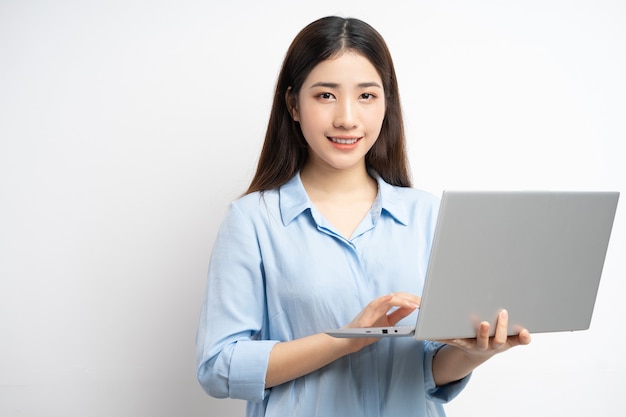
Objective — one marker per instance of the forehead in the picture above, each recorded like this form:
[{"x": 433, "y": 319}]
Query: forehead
[{"x": 345, "y": 69}]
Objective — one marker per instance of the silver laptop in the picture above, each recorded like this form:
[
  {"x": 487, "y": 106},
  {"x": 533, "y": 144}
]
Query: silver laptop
[{"x": 538, "y": 254}]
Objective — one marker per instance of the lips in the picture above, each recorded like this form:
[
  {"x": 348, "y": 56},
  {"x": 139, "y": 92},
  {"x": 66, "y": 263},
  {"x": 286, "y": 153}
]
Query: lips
[{"x": 344, "y": 141}]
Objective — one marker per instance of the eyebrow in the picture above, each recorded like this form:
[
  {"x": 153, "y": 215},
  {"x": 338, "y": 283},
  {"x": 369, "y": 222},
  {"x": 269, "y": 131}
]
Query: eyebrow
[{"x": 336, "y": 85}]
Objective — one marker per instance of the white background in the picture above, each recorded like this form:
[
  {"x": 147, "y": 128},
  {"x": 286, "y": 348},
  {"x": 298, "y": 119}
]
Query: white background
[{"x": 127, "y": 126}]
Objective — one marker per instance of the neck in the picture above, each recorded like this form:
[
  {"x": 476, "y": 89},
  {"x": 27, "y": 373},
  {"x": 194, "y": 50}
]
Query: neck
[{"x": 344, "y": 183}]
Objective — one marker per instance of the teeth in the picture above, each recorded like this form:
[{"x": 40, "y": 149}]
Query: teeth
[{"x": 344, "y": 141}]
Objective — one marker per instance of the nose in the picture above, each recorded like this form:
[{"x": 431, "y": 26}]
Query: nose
[{"x": 346, "y": 115}]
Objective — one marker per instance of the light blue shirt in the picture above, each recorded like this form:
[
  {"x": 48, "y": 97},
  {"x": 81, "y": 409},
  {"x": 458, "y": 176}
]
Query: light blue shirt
[{"x": 279, "y": 271}]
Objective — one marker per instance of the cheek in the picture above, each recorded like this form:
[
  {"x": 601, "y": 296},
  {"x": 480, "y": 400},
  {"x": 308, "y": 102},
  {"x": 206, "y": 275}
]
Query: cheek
[
  {"x": 309, "y": 131},
  {"x": 311, "y": 121},
  {"x": 376, "y": 121}
]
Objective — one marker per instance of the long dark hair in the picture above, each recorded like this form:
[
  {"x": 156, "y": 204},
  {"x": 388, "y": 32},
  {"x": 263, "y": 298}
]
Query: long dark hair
[{"x": 285, "y": 150}]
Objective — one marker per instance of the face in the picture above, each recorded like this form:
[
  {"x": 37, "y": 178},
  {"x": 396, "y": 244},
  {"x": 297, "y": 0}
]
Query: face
[{"x": 340, "y": 108}]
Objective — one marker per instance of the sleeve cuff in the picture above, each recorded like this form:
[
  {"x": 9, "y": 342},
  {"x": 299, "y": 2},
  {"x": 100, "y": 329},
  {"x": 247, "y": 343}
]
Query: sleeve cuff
[
  {"x": 446, "y": 392},
  {"x": 248, "y": 368}
]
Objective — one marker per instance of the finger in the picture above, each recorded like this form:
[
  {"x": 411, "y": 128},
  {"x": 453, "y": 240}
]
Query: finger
[
  {"x": 482, "y": 336},
  {"x": 406, "y": 304},
  {"x": 523, "y": 338},
  {"x": 380, "y": 305},
  {"x": 398, "y": 314},
  {"x": 405, "y": 299},
  {"x": 501, "y": 333}
]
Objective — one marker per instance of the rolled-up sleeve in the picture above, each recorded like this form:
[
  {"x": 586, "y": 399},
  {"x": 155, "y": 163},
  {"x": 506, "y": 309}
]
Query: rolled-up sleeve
[
  {"x": 238, "y": 371},
  {"x": 230, "y": 361},
  {"x": 444, "y": 393}
]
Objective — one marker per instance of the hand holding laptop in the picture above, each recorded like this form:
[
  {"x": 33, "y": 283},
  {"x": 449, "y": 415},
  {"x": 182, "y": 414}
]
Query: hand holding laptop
[
  {"x": 484, "y": 345},
  {"x": 462, "y": 356}
]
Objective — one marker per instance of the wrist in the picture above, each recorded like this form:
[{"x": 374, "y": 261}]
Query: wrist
[{"x": 348, "y": 345}]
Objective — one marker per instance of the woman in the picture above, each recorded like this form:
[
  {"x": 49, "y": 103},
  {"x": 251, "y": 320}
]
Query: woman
[{"x": 330, "y": 234}]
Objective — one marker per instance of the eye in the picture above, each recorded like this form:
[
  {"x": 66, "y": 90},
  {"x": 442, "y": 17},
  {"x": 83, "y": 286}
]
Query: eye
[
  {"x": 325, "y": 96},
  {"x": 367, "y": 96}
]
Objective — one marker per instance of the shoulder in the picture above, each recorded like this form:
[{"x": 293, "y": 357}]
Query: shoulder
[
  {"x": 282, "y": 204},
  {"x": 246, "y": 217},
  {"x": 253, "y": 204}
]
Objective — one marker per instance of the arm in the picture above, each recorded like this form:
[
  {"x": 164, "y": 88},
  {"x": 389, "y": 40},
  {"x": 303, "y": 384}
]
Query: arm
[
  {"x": 461, "y": 356},
  {"x": 292, "y": 359},
  {"x": 231, "y": 360}
]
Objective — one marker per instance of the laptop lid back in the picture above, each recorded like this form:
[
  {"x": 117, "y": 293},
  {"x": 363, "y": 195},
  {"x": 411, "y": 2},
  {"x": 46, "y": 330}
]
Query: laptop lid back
[{"x": 537, "y": 254}]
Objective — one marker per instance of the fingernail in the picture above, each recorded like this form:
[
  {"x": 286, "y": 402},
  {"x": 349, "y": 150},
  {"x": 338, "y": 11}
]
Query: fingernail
[{"x": 504, "y": 314}]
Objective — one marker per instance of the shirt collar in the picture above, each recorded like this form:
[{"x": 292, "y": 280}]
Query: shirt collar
[
  {"x": 392, "y": 201},
  {"x": 294, "y": 200}
]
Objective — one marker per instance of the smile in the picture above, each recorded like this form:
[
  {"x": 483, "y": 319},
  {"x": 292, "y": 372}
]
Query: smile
[{"x": 344, "y": 141}]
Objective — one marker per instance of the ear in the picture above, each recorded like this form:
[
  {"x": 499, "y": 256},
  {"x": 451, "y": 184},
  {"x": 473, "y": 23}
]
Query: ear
[{"x": 292, "y": 104}]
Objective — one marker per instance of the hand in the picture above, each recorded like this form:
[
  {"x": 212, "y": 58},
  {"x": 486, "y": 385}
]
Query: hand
[
  {"x": 382, "y": 312},
  {"x": 484, "y": 347}
]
